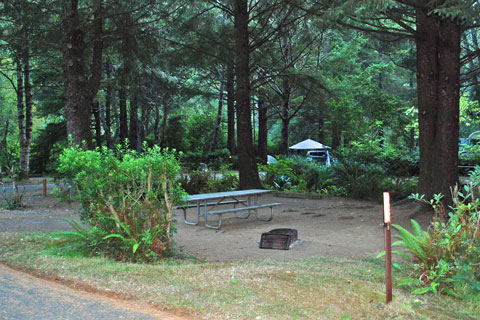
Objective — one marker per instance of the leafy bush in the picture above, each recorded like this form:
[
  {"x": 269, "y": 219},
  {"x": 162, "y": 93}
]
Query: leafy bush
[
  {"x": 279, "y": 175},
  {"x": 218, "y": 158},
  {"x": 200, "y": 181},
  {"x": 445, "y": 259},
  {"x": 362, "y": 172},
  {"x": 215, "y": 159},
  {"x": 127, "y": 199},
  {"x": 312, "y": 176},
  {"x": 396, "y": 162},
  {"x": 400, "y": 188},
  {"x": 469, "y": 156},
  {"x": 360, "y": 180},
  {"x": 227, "y": 180},
  {"x": 196, "y": 181}
]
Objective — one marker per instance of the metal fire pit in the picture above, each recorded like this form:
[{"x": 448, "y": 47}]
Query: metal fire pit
[{"x": 280, "y": 239}]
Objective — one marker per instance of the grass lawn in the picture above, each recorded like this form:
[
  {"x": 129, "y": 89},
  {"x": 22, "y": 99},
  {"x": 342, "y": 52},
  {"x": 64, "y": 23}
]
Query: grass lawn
[{"x": 314, "y": 288}]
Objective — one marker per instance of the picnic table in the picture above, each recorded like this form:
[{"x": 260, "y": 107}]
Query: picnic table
[{"x": 214, "y": 204}]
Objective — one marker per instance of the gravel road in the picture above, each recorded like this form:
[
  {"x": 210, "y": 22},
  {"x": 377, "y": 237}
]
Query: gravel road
[{"x": 24, "y": 297}]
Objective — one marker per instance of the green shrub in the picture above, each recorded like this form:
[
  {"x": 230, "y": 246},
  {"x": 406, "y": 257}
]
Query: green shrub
[
  {"x": 400, "y": 188},
  {"x": 396, "y": 162},
  {"x": 279, "y": 175},
  {"x": 126, "y": 198},
  {"x": 202, "y": 181},
  {"x": 360, "y": 173},
  {"x": 196, "y": 181},
  {"x": 313, "y": 176},
  {"x": 218, "y": 158},
  {"x": 192, "y": 159},
  {"x": 226, "y": 180},
  {"x": 360, "y": 180},
  {"x": 445, "y": 259}
]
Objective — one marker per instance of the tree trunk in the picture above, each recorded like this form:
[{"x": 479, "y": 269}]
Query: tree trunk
[
  {"x": 262, "y": 130},
  {"x": 321, "y": 133},
  {"x": 80, "y": 91},
  {"x": 438, "y": 83},
  {"x": 77, "y": 108},
  {"x": 107, "y": 124},
  {"x": 4, "y": 141},
  {"x": 122, "y": 105},
  {"x": 133, "y": 132},
  {"x": 247, "y": 165},
  {"x": 98, "y": 123},
  {"x": 25, "y": 165},
  {"x": 231, "y": 111},
  {"x": 165, "y": 101},
  {"x": 336, "y": 135},
  {"x": 218, "y": 122},
  {"x": 143, "y": 123},
  {"x": 156, "y": 124},
  {"x": 285, "y": 115},
  {"x": 476, "y": 48},
  {"x": 21, "y": 113}
]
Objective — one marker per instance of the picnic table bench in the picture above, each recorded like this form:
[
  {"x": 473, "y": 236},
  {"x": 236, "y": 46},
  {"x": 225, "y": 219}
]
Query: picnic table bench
[{"x": 217, "y": 201}]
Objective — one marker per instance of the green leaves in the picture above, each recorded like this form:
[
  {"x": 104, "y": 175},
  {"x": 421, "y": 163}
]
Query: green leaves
[
  {"x": 129, "y": 197},
  {"x": 446, "y": 259}
]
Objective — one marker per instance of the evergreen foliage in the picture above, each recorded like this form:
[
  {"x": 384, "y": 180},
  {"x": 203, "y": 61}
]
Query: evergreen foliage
[{"x": 127, "y": 200}]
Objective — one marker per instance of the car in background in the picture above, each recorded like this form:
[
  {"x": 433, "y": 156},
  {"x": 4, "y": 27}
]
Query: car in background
[
  {"x": 271, "y": 159},
  {"x": 321, "y": 156}
]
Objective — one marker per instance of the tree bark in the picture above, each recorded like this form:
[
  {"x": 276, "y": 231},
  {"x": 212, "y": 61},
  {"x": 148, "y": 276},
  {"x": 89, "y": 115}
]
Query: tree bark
[
  {"x": 165, "y": 101},
  {"x": 25, "y": 164},
  {"x": 247, "y": 165},
  {"x": 133, "y": 132},
  {"x": 98, "y": 123},
  {"x": 218, "y": 122},
  {"x": 143, "y": 123},
  {"x": 321, "y": 132},
  {"x": 262, "y": 130},
  {"x": 4, "y": 141},
  {"x": 476, "y": 95},
  {"x": 156, "y": 125},
  {"x": 80, "y": 91},
  {"x": 336, "y": 135},
  {"x": 231, "y": 111},
  {"x": 21, "y": 112},
  {"x": 438, "y": 83},
  {"x": 285, "y": 115},
  {"x": 122, "y": 106},
  {"x": 107, "y": 123}
]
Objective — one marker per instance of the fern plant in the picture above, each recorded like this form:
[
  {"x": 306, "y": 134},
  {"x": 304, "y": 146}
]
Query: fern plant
[
  {"x": 446, "y": 258},
  {"x": 127, "y": 200}
]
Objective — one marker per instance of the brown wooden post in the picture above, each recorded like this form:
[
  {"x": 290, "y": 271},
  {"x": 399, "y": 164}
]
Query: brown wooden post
[{"x": 44, "y": 187}]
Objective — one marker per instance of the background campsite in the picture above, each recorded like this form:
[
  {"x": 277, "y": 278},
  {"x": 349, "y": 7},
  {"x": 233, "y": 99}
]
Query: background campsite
[{"x": 121, "y": 120}]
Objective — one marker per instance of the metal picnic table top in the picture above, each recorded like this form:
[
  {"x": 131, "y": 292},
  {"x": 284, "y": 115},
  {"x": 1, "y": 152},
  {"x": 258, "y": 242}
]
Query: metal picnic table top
[{"x": 228, "y": 194}]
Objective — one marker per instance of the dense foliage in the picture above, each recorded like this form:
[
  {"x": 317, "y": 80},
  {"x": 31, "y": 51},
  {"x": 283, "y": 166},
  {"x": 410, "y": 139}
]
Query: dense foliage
[
  {"x": 446, "y": 257},
  {"x": 127, "y": 200},
  {"x": 363, "y": 170}
]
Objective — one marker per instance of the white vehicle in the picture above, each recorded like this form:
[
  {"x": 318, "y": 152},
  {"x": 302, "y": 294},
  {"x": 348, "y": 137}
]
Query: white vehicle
[{"x": 322, "y": 156}]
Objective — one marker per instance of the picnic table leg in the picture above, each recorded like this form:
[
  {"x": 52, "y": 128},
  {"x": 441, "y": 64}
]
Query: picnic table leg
[
  {"x": 211, "y": 225},
  {"x": 192, "y": 223},
  {"x": 248, "y": 212},
  {"x": 263, "y": 219},
  {"x": 206, "y": 219}
]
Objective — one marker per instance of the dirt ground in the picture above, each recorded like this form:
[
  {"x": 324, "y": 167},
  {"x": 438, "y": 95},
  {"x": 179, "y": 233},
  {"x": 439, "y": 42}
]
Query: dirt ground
[{"x": 327, "y": 227}]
